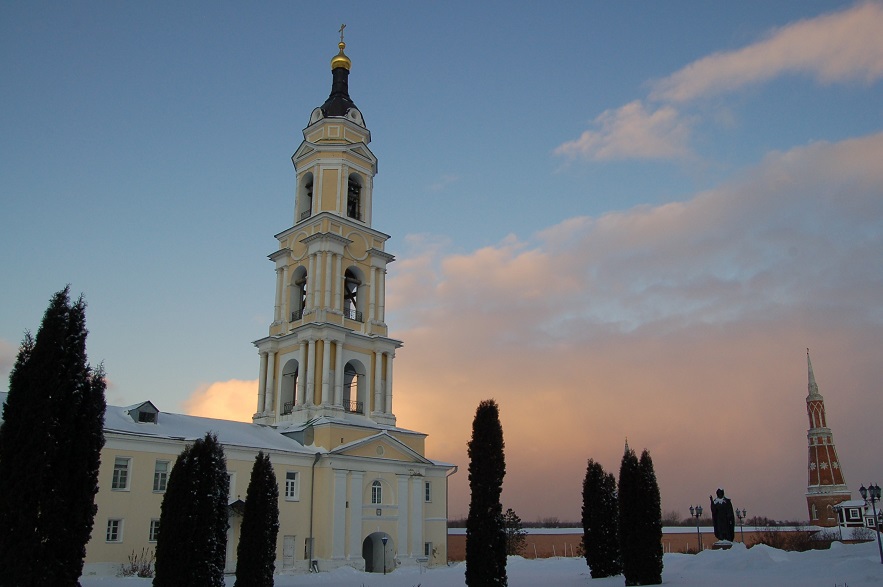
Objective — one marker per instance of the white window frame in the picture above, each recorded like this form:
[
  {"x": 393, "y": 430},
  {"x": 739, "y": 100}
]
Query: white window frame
[
  {"x": 121, "y": 474},
  {"x": 376, "y": 493},
  {"x": 427, "y": 549},
  {"x": 292, "y": 486},
  {"x": 114, "y": 530},
  {"x": 161, "y": 478},
  {"x": 154, "y": 530},
  {"x": 427, "y": 491}
]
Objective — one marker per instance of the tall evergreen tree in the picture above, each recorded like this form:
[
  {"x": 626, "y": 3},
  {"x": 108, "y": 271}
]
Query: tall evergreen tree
[
  {"x": 50, "y": 449},
  {"x": 256, "y": 554},
  {"x": 629, "y": 512},
  {"x": 600, "y": 520},
  {"x": 192, "y": 541},
  {"x": 485, "y": 532},
  {"x": 651, "y": 522}
]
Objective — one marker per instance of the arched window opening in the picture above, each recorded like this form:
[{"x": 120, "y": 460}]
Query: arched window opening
[
  {"x": 298, "y": 293},
  {"x": 352, "y": 380},
  {"x": 351, "y": 286},
  {"x": 376, "y": 493},
  {"x": 354, "y": 197},
  {"x": 289, "y": 386},
  {"x": 305, "y": 204}
]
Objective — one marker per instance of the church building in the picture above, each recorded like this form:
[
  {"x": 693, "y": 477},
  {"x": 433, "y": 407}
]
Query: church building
[{"x": 355, "y": 489}]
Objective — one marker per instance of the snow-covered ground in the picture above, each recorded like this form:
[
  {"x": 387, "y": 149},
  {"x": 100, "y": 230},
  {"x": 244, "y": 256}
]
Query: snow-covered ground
[{"x": 855, "y": 565}]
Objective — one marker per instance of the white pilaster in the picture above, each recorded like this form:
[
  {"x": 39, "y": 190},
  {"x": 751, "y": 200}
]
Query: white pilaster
[
  {"x": 327, "y": 278},
  {"x": 338, "y": 285},
  {"x": 277, "y": 312},
  {"x": 355, "y": 513},
  {"x": 416, "y": 517},
  {"x": 312, "y": 278},
  {"x": 338, "y": 524},
  {"x": 381, "y": 295},
  {"x": 286, "y": 296},
  {"x": 372, "y": 296},
  {"x": 402, "y": 526}
]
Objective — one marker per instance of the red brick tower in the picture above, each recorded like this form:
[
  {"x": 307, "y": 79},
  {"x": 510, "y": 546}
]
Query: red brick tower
[{"x": 826, "y": 486}]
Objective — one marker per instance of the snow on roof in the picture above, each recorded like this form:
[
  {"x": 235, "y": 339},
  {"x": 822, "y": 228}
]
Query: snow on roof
[
  {"x": 189, "y": 428},
  {"x": 352, "y": 420}
]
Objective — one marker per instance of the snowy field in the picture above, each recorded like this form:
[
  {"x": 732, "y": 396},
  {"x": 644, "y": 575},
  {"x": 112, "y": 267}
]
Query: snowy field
[{"x": 843, "y": 565}]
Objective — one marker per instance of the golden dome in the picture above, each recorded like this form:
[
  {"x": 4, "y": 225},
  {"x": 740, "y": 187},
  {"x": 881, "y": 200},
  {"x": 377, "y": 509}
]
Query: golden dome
[{"x": 341, "y": 60}]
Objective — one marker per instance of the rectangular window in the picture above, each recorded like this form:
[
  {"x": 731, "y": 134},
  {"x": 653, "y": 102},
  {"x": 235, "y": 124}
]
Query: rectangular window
[
  {"x": 427, "y": 491},
  {"x": 427, "y": 549},
  {"x": 291, "y": 485},
  {"x": 160, "y": 475},
  {"x": 154, "y": 530},
  {"x": 120, "y": 480},
  {"x": 114, "y": 530}
]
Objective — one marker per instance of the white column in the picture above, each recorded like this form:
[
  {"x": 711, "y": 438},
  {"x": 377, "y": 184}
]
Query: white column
[
  {"x": 277, "y": 312},
  {"x": 381, "y": 295},
  {"x": 286, "y": 298},
  {"x": 327, "y": 278},
  {"x": 338, "y": 373},
  {"x": 416, "y": 516},
  {"x": 302, "y": 373},
  {"x": 312, "y": 278},
  {"x": 378, "y": 370},
  {"x": 338, "y": 285},
  {"x": 338, "y": 524},
  {"x": 387, "y": 405},
  {"x": 311, "y": 372},
  {"x": 262, "y": 383},
  {"x": 355, "y": 513},
  {"x": 402, "y": 526},
  {"x": 372, "y": 297},
  {"x": 269, "y": 390},
  {"x": 326, "y": 371}
]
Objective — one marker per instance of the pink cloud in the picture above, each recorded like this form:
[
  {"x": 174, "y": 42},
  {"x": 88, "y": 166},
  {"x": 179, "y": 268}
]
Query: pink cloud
[
  {"x": 631, "y": 131},
  {"x": 229, "y": 400},
  {"x": 840, "y": 47},
  {"x": 681, "y": 326}
]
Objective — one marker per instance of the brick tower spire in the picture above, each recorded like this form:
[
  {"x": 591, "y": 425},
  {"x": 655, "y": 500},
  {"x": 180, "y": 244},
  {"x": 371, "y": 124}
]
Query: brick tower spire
[{"x": 826, "y": 486}]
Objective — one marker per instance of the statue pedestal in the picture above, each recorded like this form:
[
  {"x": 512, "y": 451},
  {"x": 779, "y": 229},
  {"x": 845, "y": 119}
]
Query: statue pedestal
[{"x": 722, "y": 545}]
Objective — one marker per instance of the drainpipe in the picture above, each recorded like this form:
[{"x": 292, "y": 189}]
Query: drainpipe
[{"x": 312, "y": 486}]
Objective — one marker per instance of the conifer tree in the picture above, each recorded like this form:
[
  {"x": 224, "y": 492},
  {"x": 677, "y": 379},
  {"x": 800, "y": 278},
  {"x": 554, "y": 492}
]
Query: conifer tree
[
  {"x": 50, "y": 450},
  {"x": 516, "y": 537},
  {"x": 256, "y": 553},
  {"x": 485, "y": 533},
  {"x": 651, "y": 522},
  {"x": 192, "y": 541},
  {"x": 629, "y": 512},
  {"x": 600, "y": 517}
]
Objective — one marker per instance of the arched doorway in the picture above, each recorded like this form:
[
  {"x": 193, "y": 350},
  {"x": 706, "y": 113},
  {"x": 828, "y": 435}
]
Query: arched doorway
[{"x": 373, "y": 553}]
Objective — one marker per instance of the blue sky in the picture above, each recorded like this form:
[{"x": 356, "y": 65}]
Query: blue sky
[{"x": 681, "y": 196}]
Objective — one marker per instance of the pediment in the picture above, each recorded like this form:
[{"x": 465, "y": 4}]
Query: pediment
[{"x": 381, "y": 446}]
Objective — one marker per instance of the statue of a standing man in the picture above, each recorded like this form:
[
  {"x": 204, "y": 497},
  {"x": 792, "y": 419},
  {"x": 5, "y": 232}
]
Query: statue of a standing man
[{"x": 723, "y": 517}]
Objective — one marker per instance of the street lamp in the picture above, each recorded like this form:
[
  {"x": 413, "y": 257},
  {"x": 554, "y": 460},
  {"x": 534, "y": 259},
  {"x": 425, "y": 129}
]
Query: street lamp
[
  {"x": 741, "y": 515},
  {"x": 696, "y": 512},
  {"x": 874, "y": 492},
  {"x": 384, "y": 540}
]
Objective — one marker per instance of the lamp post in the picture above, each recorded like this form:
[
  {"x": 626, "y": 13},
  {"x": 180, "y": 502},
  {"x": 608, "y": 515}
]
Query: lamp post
[
  {"x": 696, "y": 512},
  {"x": 874, "y": 493},
  {"x": 384, "y": 540},
  {"x": 741, "y": 515}
]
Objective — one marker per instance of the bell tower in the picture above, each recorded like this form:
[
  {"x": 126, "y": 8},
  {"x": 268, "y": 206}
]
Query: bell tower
[
  {"x": 826, "y": 486},
  {"x": 327, "y": 352}
]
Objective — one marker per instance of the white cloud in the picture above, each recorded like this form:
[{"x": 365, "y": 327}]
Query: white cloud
[
  {"x": 840, "y": 47},
  {"x": 234, "y": 399},
  {"x": 632, "y": 132}
]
